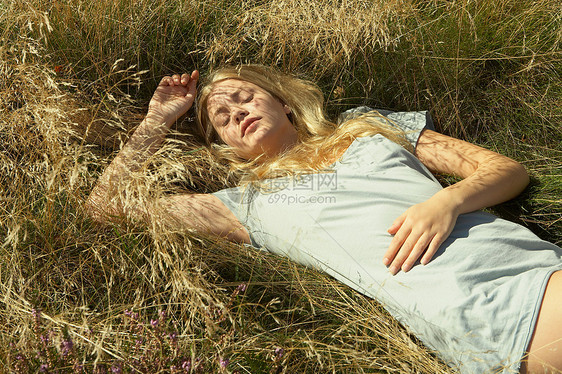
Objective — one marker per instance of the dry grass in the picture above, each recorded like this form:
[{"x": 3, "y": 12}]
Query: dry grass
[
  {"x": 84, "y": 278},
  {"x": 309, "y": 36},
  {"x": 74, "y": 77}
]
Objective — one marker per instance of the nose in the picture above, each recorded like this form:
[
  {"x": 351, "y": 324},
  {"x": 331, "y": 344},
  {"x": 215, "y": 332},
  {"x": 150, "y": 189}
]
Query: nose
[{"x": 239, "y": 115}]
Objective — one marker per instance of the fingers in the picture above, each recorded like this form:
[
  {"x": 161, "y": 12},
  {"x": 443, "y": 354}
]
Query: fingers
[
  {"x": 192, "y": 83},
  {"x": 419, "y": 232},
  {"x": 409, "y": 245},
  {"x": 405, "y": 249},
  {"x": 396, "y": 224},
  {"x": 433, "y": 247},
  {"x": 174, "y": 80},
  {"x": 177, "y": 80},
  {"x": 412, "y": 242},
  {"x": 167, "y": 81},
  {"x": 395, "y": 245},
  {"x": 407, "y": 260}
]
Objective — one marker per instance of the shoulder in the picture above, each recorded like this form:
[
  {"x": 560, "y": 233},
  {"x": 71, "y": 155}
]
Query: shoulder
[
  {"x": 409, "y": 124},
  {"x": 409, "y": 120}
]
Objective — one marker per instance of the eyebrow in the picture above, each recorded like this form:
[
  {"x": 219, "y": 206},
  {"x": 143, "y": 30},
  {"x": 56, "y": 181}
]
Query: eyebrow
[{"x": 222, "y": 108}]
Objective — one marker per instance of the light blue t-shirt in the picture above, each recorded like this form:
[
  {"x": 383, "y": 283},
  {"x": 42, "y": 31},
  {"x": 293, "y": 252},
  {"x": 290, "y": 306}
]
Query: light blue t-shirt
[{"x": 475, "y": 303}]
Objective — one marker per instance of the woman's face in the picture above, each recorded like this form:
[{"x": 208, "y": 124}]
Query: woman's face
[{"x": 250, "y": 119}]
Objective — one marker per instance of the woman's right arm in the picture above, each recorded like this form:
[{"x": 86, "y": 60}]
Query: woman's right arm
[{"x": 202, "y": 212}]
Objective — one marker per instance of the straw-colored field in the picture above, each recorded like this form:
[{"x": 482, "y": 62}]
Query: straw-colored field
[{"x": 75, "y": 79}]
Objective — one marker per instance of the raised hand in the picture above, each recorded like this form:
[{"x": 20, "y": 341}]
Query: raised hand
[
  {"x": 419, "y": 230},
  {"x": 173, "y": 97}
]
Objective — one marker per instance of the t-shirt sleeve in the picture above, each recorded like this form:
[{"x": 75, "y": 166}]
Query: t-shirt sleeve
[
  {"x": 239, "y": 201},
  {"x": 413, "y": 123}
]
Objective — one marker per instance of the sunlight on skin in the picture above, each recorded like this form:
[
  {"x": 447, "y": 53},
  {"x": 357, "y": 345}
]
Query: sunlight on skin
[
  {"x": 488, "y": 179},
  {"x": 546, "y": 343},
  {"x": 250, "y": 119}
]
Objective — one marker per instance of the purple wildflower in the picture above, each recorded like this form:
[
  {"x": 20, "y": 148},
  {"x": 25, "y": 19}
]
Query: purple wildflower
[
  {"x": 117, "y": 368},
  {"x": 186, "y": 365},
  {"x": 279, "y": 352},
  {"x": 36, "y": 313},
  {"x": 67, "y": 346},
  {"x": 223, "y": 362},
  {"x": 242, "y": 287},
  {"x": 154, "y": 323},
  {"x": 44, "y": 368}
]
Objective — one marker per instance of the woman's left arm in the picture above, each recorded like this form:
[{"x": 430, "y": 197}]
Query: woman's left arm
[{"x": 488, "y": 179}]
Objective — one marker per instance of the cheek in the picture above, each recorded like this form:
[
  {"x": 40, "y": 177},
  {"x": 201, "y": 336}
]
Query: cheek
[
  {"x": 221, "y": 135},
  {"x": 262, "y": 105},
  {"x": 229, "y": 136}
]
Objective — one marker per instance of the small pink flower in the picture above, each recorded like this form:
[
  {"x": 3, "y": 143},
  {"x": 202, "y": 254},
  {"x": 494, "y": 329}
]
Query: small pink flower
[
  {"x": 36, "y": 313},
  {"x": 117, "y": 368},
  {"x": 242, "y": 287},
  {"x": 223, "y": 362},
  {"x": 66, "y": 347}
]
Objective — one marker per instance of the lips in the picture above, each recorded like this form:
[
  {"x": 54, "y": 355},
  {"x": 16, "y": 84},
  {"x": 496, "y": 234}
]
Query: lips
[{"x": 247, "y": 122}]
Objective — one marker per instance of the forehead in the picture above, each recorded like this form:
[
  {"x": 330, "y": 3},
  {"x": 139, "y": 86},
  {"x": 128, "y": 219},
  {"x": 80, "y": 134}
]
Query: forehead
[
  {"x": 229, "y": 90},
  {"x": 231, "y": 84}
]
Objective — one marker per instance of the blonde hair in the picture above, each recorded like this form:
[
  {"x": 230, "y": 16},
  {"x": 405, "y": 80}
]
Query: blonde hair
[{"x": 320, "y": 141}]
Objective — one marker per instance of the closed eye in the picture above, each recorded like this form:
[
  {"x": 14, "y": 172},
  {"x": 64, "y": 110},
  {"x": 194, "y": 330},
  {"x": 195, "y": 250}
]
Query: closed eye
[
  {"x": 222, "y": 119},
  {"x": 248, "y": 99}
]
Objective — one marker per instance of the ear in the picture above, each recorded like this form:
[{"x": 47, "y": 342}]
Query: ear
[{"x": 287, "y": 109}]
